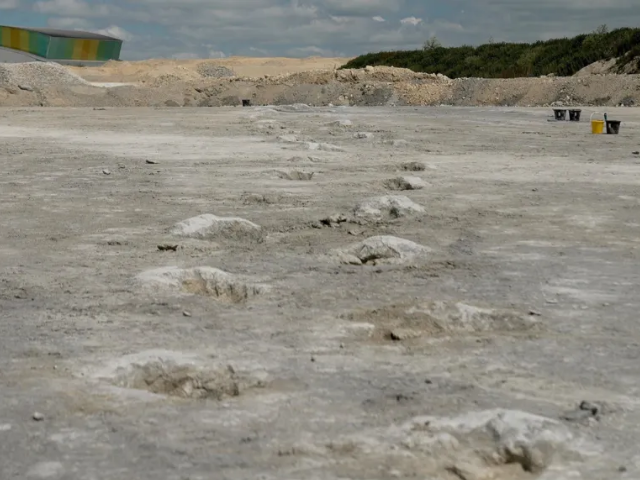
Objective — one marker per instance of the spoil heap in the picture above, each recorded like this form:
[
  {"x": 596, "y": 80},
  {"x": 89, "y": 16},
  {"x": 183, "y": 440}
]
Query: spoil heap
[{"x": 209, "y": 84}]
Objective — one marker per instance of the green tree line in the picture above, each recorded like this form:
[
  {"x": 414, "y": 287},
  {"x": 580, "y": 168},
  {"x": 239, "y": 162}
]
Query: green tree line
[{"x": 562, "y": 57}]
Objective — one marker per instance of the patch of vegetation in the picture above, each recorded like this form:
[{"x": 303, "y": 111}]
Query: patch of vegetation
[{"x": 562, "y": 57}]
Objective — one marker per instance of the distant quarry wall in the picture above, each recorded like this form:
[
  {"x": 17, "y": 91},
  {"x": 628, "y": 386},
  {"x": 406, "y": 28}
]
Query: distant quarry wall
[{"x": 44, "y": 84}]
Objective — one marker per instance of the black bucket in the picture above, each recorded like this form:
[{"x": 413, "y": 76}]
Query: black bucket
[
  {"x": 574, "y": 115},
  {"x": 613, "y": 127},
  {"x": 246, "y": 102},
  {"x": 560, "y": 113}
]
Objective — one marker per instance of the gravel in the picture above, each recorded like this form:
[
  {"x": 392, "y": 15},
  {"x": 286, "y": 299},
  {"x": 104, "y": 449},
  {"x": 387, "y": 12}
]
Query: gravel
[
  {"x": 39, "y": 75},
  {"x": 209, "y": 70}
]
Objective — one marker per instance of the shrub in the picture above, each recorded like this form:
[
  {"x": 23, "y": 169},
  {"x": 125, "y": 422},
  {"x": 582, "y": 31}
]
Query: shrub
[{"x": 563, "y": 56}]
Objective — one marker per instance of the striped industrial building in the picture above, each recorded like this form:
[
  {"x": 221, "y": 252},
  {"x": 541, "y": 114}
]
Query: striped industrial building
[{"x": 68, "y": 47}]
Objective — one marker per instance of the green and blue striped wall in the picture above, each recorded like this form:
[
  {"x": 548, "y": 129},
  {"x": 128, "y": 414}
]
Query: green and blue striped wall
[{"x": 59, "y": 48}]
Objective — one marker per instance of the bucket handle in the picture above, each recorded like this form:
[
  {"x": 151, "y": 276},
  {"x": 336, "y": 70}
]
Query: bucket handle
[{"x": 591, "y": 117}]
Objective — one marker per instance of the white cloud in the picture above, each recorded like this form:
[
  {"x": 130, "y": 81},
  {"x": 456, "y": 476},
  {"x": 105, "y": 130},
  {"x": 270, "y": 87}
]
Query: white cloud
[
  {"x": 258, "y": 51},
  {"x": 116, "y": 32},
  {"x": 211, "y": 28},
  {"x": 411, "y": 21},
  {"x": 310, "y": 51}
]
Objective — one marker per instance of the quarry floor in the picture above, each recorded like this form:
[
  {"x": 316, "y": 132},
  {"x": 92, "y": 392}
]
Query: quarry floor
[{"x": 522, "y": 213}]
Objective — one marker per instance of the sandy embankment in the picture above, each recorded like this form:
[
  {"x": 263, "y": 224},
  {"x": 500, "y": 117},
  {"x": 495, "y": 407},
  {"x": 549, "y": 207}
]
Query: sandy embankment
[{"x": 277, "y": 81}]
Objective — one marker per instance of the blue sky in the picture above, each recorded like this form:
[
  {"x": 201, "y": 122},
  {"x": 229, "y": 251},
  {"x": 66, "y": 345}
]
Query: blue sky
[{"x": 301, "y": 28}]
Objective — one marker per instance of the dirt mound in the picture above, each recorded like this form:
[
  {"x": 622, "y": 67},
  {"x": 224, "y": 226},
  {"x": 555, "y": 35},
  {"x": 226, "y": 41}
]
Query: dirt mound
[
  {"x": 295, "y": 175},
  {"x": 496, "y": 444},
  {"x": 124, "y": 71},
  {"x": 404, "y": 183},
  {"x": 210, "y": 70},
  {"x": 363, "y": 135},
  {"x": 186, "y": 381},
  {"x": 38, "y": 75},
  {"x": 413, "y": 167},
  {"x": 271, "y": 198},
  {"x": 342, "y": 123},
  {"x": 209, "y": 227},
  {"x": 261, "y": 198},
  {"x": 601, "y": 67},
  {"x": 388, "y": 74},
  {"x": 404, "y": 321},
  {"x": 170, "y": 373},
  {"x": 493, "y": 442},
  {"x": 387, "y": 207},
  {"x": 383, "y": 248},
  {"x": 205, "y": 281},
  {"x": 181, "y": 83}
]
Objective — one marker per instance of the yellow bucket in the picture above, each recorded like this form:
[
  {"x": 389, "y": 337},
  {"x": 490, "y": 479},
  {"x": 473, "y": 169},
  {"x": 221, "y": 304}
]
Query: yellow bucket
[{"x": 597, "y": 126}]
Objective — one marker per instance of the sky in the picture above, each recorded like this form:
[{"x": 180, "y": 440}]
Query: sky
[{"x": 303, "y": 28}]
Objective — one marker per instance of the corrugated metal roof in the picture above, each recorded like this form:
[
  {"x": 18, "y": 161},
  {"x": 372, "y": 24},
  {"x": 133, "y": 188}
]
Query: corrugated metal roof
[{"x": 53, "y": 32}]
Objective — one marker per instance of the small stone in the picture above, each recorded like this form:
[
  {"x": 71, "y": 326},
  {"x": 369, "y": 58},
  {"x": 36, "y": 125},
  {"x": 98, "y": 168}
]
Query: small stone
[
  {"x": 534, "y": 313},
  {"x": 333, "y": 220},
  {"x": 151, "y": 162},
  {"x": 363, "y": 135},
  {"x": 590, "y": 407},
  {"x": 38, "y": 417},
  {"x": 413, "y": 167},
  {"x": 400, "y": 334},
  {"x": 106, "y": 171},
  {"x": 585, "y": 411},
  {"x": 186, "y": 314},
  {"x": 405, "y": 183},
  {"x": 388, "y": 206},
  {"x": 209, "y": 226},
  {"x": 26, "y": 88},
  {"x": 384, "y": 248},
  {"x": 622, "y": 469},
  {"x": 635, "y": 153}
]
